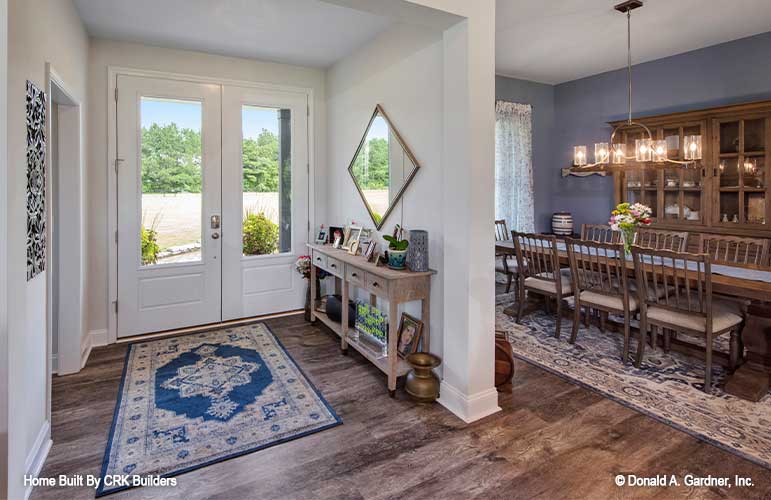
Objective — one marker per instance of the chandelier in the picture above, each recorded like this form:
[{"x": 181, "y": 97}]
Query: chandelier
[{"x": 647, "y": 149}]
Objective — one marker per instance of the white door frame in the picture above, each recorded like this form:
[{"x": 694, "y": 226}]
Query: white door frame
[
  {"x": 73, "y": 343},
  {"x": 110, "y": 161}
]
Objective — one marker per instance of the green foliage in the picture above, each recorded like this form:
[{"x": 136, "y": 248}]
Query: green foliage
[
  {"x": 260, "y": 161},
  {"x": 150, "y": 246},
  {"x": 260, "y": 235},
  {"x": 171, "y": 161},
  {"x": 373, "y": 156},
  {"x": 396, "y": 241}
]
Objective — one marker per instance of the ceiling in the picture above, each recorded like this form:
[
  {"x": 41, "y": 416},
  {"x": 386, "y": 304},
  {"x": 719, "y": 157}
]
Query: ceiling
[
  {"x": 555, "y": 41},
  {"x": 301, "y": 32}
]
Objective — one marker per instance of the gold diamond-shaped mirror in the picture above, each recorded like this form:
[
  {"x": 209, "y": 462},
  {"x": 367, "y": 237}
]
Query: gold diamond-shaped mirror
[{"x": 382, "y": 167}]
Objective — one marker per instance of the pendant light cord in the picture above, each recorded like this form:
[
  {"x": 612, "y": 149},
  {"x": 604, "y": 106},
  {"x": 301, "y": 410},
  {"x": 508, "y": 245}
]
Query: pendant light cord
[{"x": 629, "y": 59}]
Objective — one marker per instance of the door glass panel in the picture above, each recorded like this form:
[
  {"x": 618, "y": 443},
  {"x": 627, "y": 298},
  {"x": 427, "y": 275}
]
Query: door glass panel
[
  {"x": 755, "y": 207},
  {"x": 729, "y": 207},
  {"x": 267, "y": 180},
  {"x": 729, "y": 137},
  {"x": 754, "y": 168},
  {"x": 671, "y": 205},
  {"x": 171, "y": 180},
  {"x": 754, "y": 135},
  {"x": 729, "y": 173}
]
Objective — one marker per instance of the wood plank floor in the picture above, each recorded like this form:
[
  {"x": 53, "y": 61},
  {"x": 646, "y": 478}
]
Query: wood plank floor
[{"x": 552, "y": 440}]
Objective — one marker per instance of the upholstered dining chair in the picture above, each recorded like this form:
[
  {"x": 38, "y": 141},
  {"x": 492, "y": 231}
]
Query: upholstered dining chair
[
  {"x": 601, "y": 233},
  {"x": 656, "y": 239},
  {"x": 734, "y": 250},
  {"x": 539, "y": 271},
  {"x": 505, "y": 263},
  {"x": 687, "y": 304},
  {"x": 598, "y": 271}
]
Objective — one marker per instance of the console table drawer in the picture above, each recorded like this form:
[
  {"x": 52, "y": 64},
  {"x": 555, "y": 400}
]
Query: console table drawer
[
  {"x": 355, "y": 276},
  {"x": 319, "y": 259},
  {"x": 376, "y": 284},
  {"x": 335, "y": 266}
]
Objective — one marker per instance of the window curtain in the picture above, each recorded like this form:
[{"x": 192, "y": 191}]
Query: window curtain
[{"x": 514, "y": 165}]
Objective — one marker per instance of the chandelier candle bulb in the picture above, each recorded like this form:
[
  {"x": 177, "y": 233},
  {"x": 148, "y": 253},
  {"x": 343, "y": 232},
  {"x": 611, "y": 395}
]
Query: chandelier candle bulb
[
  {"x": 579, "y": 156},
  {"x": 643, "y": 149},
  {"x": 619, "y": 154},
  {"x": 660, "y": 151},
  {"x": 601, "y": 154},
  {"x": 692, "y": 147}
]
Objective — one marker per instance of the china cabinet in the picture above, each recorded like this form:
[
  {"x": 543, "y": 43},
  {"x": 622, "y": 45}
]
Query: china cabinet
[{"x": 725, "y": 192}]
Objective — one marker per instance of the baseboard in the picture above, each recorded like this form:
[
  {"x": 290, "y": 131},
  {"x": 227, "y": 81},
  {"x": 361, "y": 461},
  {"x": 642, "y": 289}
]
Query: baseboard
[
  {"x": 37, "y": 455},
  {"x": 98, "y": 337},
  {"x": 469, "y": 408}
]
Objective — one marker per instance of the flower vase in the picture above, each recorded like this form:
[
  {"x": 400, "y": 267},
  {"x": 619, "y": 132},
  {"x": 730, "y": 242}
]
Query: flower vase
[{"x": 627, "y": 238}]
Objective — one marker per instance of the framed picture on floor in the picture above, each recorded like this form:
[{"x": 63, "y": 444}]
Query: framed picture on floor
[{"x": 410, "y": 330}]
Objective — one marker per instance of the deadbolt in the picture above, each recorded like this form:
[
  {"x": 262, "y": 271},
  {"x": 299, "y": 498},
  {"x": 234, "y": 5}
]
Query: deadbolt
[{"x": 215, "y": 221}]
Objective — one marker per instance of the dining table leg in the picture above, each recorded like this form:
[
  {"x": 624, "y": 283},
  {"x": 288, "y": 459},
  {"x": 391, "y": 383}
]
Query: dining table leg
[{"x": 751, "y": 380}]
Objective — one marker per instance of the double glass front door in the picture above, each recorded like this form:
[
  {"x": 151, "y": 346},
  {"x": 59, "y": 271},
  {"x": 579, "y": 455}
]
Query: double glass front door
[{"x": 212, "y": 202}]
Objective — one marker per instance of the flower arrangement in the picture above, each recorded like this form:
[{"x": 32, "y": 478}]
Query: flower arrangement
[
  {"x": 303, "y": 266},
  {"x": 626, "y": 218}
]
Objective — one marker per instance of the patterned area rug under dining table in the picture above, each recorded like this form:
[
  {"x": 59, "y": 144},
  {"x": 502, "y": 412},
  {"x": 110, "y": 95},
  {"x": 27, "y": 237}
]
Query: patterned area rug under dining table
[
  {"x": 193, "y": 400},
  {"x": 667, "y": 387}
]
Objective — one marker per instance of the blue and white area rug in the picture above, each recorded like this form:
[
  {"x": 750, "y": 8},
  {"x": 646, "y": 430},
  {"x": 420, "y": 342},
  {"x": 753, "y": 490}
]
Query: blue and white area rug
[
  {"x": 194, "y": 400},
  {"x": 667, "y": 387}
]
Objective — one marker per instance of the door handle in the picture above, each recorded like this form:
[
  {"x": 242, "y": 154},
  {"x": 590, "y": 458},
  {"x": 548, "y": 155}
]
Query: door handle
[
  {"x": 215, "y": 222},
  {"x": 215, "y": 235}
]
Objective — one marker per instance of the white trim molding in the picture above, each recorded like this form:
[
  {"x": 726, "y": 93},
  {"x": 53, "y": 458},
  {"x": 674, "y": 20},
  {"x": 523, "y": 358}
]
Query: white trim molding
[
  {"x": 468, "y": 408},
  {"x": 95, "y": 338},
  {"x": 37, "y": 455}
]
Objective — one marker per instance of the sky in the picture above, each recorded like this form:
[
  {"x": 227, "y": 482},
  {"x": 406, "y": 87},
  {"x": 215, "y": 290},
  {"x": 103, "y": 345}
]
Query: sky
[{"x": 187, "y": 114}]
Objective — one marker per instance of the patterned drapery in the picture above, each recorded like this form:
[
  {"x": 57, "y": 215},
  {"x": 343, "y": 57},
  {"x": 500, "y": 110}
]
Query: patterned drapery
[{"x": 514, "y": 165}]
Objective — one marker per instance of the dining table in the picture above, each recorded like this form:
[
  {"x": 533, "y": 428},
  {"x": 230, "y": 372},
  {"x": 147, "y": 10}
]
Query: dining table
[{"x": 751, "y": 283}]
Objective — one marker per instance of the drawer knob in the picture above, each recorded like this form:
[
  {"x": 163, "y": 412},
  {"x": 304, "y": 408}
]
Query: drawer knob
[
  {"x": 318, "y": 258},
  {"x": 332, "y": 265},
  {"x": 354, "y": 275},
  {"x": 375, "y": 284}
]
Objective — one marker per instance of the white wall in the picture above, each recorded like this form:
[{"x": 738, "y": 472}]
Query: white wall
[
  {"x": 106, "y": 53},
  {"x": 401, "y": 70},
  {"x": 40, "y": 31},
  {"x": 4, "y": 355}
]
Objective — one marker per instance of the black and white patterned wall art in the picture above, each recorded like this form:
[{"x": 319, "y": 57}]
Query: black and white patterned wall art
[{"x": 36, "y": 180}]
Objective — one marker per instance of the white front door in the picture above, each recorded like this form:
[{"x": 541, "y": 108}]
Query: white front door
[
  {"x": 265, "y": 203},
  {"x": 212, "y": 202},
  {"x": 169, "y": 189}
]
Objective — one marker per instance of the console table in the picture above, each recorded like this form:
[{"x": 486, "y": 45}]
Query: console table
[{"x": 396, "y": 287}]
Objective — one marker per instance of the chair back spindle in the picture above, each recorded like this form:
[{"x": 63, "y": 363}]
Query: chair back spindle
[
  {"x": 537, "y": 255},
  {"x": 734, "y": 250},
  {"x": 501, "y": 232},
  {"x": 598, "y": 267},
  {"x": 674, "y": 241},
  {"x": 601, "y": 233}
]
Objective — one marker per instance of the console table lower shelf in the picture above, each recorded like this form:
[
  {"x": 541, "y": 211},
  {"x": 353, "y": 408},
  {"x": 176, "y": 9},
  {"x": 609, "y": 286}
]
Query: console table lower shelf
[{"x": 395, "y": 287}]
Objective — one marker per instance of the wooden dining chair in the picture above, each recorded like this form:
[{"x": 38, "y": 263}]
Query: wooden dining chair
[
  {"x": 601, "y": 233},
  {"x": 733, "y": 250},
  {"x": 656, "y": 239},
  {"x": 505, "y": 263},
  {"x": 687, "y": 304},
  {"x": 598, "y": 271},
  {"x": 539, "y": 271}
]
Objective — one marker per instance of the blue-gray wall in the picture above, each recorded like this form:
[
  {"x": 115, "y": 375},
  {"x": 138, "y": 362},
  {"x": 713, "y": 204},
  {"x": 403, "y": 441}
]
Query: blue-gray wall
[
  {"x": 576, "y": 112},
  {"x": 541, "y": 97},
  {"x": 733, "y": 72}
]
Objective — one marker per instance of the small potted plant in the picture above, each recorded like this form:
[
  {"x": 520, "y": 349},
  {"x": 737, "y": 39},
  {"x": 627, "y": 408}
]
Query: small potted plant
[{"x": 397, "y": 248}]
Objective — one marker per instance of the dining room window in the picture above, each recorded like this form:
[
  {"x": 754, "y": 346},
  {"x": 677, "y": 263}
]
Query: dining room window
[{"x": 514, "y": 165}]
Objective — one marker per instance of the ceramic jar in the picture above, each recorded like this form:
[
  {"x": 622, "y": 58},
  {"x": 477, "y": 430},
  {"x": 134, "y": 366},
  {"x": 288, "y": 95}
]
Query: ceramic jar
[{"x": 562, "y": 224}]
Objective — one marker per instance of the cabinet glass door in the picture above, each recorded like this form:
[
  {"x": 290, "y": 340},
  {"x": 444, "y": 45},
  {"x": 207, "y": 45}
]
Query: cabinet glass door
[{"x": 742, "y": 171}]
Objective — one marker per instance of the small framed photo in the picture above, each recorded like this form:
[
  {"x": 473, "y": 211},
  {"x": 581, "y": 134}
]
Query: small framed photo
[
  {"x": 321, "y": 236},
  {"x": 353, "y": 247},
  {"x": 369, "y": 251},
  {"x": 351, "y": 234},
  {"x": 410, "y": 330},
  {"x": 337, "y": 242},
  {"x": 333, "y": 233}
]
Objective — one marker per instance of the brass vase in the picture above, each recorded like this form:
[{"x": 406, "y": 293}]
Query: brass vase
[{"x": 422, "y": 384}]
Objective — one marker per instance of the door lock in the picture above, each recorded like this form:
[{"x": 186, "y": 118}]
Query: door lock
[
  {"x": 215, "y": 221},
  {"x": 215, "y": 236}
]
